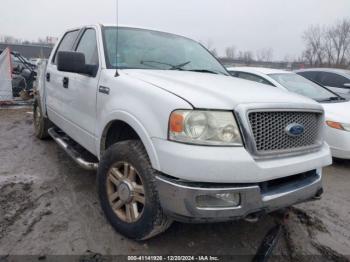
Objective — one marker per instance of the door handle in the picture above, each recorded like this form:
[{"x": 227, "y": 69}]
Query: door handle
[
  {"x": 48, "y": 76},
  {"x": 65, "y": 82}
]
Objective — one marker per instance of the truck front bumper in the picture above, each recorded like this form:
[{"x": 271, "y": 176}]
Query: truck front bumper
[
  {"x": 179, "y": 199},
  {"x": 228, "y": 165}
]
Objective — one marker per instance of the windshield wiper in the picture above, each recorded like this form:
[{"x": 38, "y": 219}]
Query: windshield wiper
[
  {"x": 203, "y": 71},
  {"x": 142, "y": 62},
  {"x": 172, "y": 67},
  {"x": 332, "y": 98},
  {"x": 179, "y": 66}
]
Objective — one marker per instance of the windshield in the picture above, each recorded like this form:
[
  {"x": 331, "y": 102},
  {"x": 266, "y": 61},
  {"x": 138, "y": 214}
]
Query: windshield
[
  {"x": 146, "y": 49},
  {"x": 300, "y": 85}
]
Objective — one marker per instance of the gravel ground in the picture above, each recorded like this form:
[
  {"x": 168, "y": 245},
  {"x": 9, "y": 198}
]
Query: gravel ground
[{"x": 49, "y": 206}]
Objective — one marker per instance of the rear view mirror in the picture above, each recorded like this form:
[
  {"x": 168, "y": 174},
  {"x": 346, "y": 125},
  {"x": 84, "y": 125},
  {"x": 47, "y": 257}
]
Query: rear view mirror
[
  {"x": 74, "y": 62},
  {"x": 347, "y": 85}
]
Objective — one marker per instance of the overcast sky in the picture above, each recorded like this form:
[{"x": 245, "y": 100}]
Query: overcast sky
[{"x": 246, "y": 24}]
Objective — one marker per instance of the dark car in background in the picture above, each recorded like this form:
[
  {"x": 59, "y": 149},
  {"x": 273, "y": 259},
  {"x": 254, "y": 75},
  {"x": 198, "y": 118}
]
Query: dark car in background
[{"x": 338, "y": 80}]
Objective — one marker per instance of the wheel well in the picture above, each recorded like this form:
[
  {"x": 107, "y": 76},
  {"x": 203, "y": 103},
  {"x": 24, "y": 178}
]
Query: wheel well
[{"x": 115, "y": 132}]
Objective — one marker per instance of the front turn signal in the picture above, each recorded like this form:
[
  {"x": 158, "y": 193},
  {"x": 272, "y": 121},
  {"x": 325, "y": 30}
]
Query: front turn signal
[
  {"x": 335, "y": 125},
  {"x": 176, "y": 123}
]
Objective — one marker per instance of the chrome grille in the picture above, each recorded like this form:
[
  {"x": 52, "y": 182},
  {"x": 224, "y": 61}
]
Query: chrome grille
[{"x": 269, "y": 130}]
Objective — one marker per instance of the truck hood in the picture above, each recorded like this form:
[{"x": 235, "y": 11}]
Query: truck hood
[
  {"x": 205, "y": 90},
  {"x": 339, "y": 112}
]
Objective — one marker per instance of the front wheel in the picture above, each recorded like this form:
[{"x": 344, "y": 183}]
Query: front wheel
[{"x": 127, "y": 191}]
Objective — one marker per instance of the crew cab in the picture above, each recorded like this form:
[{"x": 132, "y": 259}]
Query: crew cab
[{"x": 171, "y": 134}]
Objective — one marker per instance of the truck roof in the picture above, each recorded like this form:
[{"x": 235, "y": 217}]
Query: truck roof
[{"x": 124, "y": 26}]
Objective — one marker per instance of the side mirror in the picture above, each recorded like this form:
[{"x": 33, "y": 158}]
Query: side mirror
[
  {"x": 347, "y": 85},
  {"x": 74, "y": 62}
]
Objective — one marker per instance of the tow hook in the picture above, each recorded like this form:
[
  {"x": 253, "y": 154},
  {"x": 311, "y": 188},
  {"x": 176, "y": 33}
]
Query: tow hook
[
  {"x": 254, "y": 217},
  {"x": 271, "y": 238},
  {"x": 318, "y": 195}
]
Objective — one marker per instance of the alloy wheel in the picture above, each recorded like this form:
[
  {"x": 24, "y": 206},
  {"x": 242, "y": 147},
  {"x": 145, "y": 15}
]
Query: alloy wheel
[{"x": 126, "y": 193}]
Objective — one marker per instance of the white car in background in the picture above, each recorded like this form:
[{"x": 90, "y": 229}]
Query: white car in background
[{"x": 337, "y": 108}]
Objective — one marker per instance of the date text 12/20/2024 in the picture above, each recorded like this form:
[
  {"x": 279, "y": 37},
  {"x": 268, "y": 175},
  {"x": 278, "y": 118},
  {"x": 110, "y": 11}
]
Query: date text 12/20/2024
[{"x": 173, "y": 258}]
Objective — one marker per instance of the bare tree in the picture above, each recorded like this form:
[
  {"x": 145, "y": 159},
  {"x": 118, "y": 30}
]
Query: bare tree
[
  {"x": 230, "y": 52},
  {"x": 11, "y": 40},
  {"x": 314, "y": 52},
  {"x": 264, "y": 55},
  {"x": 290, "y": 58},
  {"x": 328, "y": 46},
  {"x": 340, "y": 38},
  {"x": 308, "y": 56},
  {"x": 246, "y": 56}
]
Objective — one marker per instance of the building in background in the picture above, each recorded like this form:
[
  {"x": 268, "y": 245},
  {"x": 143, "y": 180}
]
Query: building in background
[{"x": 29, "y": 50}]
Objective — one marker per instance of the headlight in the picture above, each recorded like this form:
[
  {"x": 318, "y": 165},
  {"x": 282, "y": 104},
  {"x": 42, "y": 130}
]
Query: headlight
[
  {"x": 204, "y": 128},
  {"x": 337, "y": 125}
]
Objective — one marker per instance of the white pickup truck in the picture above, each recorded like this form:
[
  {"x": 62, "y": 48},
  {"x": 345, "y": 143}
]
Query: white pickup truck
[{"x": 171, "y": 134}]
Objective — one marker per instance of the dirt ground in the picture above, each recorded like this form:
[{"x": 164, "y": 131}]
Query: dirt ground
[{"x": 49, "y": 206}]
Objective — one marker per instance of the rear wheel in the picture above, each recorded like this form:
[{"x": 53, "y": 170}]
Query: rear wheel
[
  {"x": 128, "y": 193},
  {"x": 41, "y": 123}
]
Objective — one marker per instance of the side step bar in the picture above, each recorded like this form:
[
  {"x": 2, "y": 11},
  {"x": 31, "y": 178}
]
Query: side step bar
[{"x": 74, "y": 154}]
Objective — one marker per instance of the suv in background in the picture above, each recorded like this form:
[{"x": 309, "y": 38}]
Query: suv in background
[{"x": 338, "y": 80}]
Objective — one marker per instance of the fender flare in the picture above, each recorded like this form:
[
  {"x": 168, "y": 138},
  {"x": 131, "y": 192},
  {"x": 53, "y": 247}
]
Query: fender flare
[{"x": 138, "y": 127}]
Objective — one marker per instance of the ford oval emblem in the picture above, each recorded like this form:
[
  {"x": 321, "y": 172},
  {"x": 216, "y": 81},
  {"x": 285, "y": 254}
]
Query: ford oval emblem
[{"x": 295, "y": 129}]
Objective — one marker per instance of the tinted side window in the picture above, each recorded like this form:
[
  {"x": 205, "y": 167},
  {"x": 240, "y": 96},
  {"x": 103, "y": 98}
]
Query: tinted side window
[
  {"x": 312, "y": 75},
  {"x": 331, "y": 79},
  {"x": 254, "y": 78},
  {"x": 88, "y": 46},
  {"x": 66, "y": 43}
]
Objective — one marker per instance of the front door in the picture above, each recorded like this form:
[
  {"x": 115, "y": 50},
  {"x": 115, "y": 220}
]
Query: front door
[
  {"x": 56, "y": 93},
  {"x": 81, "y": 98}
]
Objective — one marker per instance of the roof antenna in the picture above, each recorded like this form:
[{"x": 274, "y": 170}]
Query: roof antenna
[{"x": 117, "y": 22}]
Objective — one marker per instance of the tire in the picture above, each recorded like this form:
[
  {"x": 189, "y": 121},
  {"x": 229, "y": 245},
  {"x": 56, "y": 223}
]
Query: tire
[
  {"x": 151, "y": 221},
  {"x": 41, "y": 123},
  {"x": 18, "y": 84}
]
